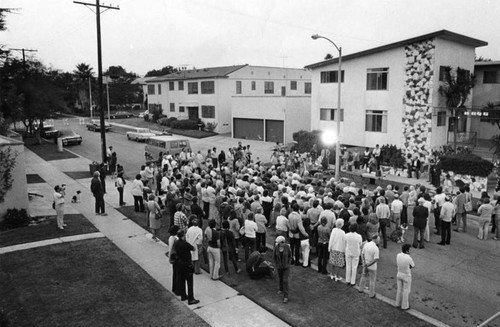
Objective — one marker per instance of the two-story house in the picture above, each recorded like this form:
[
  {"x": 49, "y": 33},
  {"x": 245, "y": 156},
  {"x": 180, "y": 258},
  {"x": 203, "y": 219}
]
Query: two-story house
[
  {"x": 390, "y": 94},
  {"x": 251, "y": 102}
]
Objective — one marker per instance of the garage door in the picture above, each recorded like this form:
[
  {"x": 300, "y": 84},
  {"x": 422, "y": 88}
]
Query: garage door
[
  {"x": 274, "y": 131},
  {"x": 250, "y": 129}
]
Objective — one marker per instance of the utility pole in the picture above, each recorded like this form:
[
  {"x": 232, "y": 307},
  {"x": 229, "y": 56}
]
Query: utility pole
[
  {"x": 23, "y": 50},
  {"x": 98, "y": 7}
]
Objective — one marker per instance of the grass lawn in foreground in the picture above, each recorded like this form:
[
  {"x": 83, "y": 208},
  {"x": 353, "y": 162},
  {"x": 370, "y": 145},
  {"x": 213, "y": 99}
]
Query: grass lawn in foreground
[
  {"x": 47, "y": 150},
  {"x": 85, "y": 283}
]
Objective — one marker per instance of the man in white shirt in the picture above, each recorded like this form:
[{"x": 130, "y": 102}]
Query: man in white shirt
[
  {"x": 383, "y": 213},
  {"x": 405, "y": 263},
  {"x": 370, "y": 256},
  {"x": 396, "y": 209},
  {"x": 438, "y": 201},
  {"x": 446, "y": 215}
]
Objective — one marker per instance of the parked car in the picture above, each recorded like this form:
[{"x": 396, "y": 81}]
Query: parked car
[
  {"x": 140, "y": 134},
  {"x": 121, "y": 114},
  {"x": 71, "y": 137},
  {"x": 142, "y": 114},
  {"x": 49, "y": 132},
  {"x": 95, "y": 125}
]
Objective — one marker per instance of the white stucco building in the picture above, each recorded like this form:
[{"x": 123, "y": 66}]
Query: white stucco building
[
  {"x": 390, "y": 93},
  {"x": 251, "y": 102}
]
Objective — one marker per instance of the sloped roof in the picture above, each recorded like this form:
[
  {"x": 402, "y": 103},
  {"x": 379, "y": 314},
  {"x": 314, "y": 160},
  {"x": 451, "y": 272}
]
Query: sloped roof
[
  {"x": 444, "y": 34},
  {"x": 211, "y": 72},
  {"x": 487, "y": 63}
]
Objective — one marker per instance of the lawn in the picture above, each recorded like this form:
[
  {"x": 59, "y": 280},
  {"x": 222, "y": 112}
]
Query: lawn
[
  {"x": 46, "y": 230},
  {"x": 314, "y": 299},
  {"x": 140, "y": 122},
  {"x": 85, "y": 283},
  {"x": 47, "y": 150}
]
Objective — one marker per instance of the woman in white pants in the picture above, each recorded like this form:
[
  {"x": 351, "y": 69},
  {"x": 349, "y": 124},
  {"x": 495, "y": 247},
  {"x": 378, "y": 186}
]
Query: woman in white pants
[
  {"x": 353, "y": 243},
  {"x": 405, "y": 264},
  {"x": 59, "y": 205}
]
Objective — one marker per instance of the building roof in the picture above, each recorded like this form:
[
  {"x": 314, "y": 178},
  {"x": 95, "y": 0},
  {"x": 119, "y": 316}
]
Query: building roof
[
  {"x": 212, "y": 72},
  {"x": 443, "y": 34},
  {"x": 487, "y": 63},
  {"x": 139, "y": 80}
]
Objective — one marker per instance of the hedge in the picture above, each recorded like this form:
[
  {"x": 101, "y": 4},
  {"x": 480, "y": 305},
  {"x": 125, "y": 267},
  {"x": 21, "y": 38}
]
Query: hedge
[
  {"x": 185, "y": 124},
  {"x": 465, "y": 164}
]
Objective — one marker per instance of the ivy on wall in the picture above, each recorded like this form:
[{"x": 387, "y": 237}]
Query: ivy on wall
[{"x": 7, "y": 164}]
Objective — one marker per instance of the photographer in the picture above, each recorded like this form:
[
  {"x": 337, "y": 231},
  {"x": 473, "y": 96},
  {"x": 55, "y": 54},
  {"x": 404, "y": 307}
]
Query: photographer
[{"x": 59, "y": 204}]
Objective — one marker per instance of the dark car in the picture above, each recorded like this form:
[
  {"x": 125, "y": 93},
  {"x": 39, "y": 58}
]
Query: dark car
[
  {"x": 121, "y": 114},
  {"x": 49, "y": 132},
  {"x": 70, "y": 137},
  {"x": 95, "y": 125}
]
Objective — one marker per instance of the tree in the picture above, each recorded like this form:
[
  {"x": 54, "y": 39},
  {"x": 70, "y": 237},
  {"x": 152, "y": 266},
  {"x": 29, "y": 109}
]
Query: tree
[
  {"x": 456, "y": 90},
  {"x": 164, "y": 71},
  {"x": 328, "y": 56},
  {"x": 121, "y": 89},
  {"x": 83, "y": 73}
]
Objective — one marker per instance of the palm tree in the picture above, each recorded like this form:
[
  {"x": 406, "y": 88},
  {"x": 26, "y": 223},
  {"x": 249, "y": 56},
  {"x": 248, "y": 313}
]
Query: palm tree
[
  {"x": 83, "y": 74},
  {"x": 456, "y": 90}
]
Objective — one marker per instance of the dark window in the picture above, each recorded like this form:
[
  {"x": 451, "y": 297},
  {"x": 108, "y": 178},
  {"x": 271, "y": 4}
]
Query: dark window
[
  {"x": 442, "y": 73},
  {"x": 171, "y": 86},
  {"x": 159, "y": 88},
  {"x": 253, "y": 86},
  {"x": 182, "y": 109},
  {"x": 307, "y": 87},
  {"x": 376, "y": 121},
  {"x": 181, "y": 86},
  {"x": 331, "y": 76},
  {"x": 208, "y": 111},
  {"x": 238, "y": 87},
  {"x": 208, "y": 87},
  {"x": 151, "y": 89},
  {"x": 491, "y": 77},
  {"x": 441, "y": 118},
  {"x": 172, "y": 107},
  {"x": 376, "y": 79},
  {"x": 269, "y": 87},
  {"x": 293, "y": 85},
  {"x": 329, "y": 114},
  {"x": 193, "y": 88}
]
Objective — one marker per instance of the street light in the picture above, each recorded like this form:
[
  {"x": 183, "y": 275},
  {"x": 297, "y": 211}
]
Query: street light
[
  {"x": 339, "y": 82},
  {"x": 328, "y": 138}
]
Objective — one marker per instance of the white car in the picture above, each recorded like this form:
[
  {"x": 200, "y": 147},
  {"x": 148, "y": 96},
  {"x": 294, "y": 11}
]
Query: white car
[{"x": 140, "y": 134}]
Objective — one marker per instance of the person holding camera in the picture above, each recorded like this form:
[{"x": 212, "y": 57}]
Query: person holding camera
[{"x": 59, "y": 204}]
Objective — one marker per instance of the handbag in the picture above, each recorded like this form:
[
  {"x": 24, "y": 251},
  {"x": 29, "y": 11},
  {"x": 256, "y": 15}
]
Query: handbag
[
  {"x": 242, "y": 230},
  {"x": 158, "y": 214}
]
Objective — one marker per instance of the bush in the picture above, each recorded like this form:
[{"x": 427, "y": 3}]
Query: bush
[
  {"x": 465, "y": 164},
  {"x": 15, "y": 218},
  {"x": 185, "y": 124},
  {"x": 155, "y": 113},
  {"x": 305, "y": 140},
  {"x": 170, "y": 121},
  {"x": 146, "y": 117},
  {"x": 390, "y": 155},
  {"x": 211, "y": 127},
  {"x": 163, "y": 121}
]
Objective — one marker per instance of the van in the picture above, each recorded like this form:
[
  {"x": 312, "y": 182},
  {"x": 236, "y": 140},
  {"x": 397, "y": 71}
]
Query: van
[{"x": 170, "y": 144}]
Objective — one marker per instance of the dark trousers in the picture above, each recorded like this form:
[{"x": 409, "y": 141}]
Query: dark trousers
[
  {"x": 404, "y": 215},
  {"x": 138, "y": 203},
  {"x": 232, "y": 256},
  {"x": 283, "y": 280},
  {"x": 249, "y": 246},
  {"x": 445, "y": 232},
  {"x": 416, "y": 232},
  {"x": 183, "y": 277},
  {"x": 99, "y": 204},
  {"x": 206, "y": 208},
  {"x": 175, "y": 280},
  {"x": 322, "y": 257},
  {"x": 437, "y": 221},
  {"x": 120, "y": 192},
  {"x": 383, "y": 225},
  {"x": 261, "y": 240},
  {"x": 295, "y": 247},
  {"x": 494, "y": 223}
]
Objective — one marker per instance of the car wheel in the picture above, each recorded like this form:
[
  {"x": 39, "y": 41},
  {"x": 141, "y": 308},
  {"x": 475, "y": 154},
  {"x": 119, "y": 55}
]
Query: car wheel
[
  {"x": 137, "y": 139},
  {"x": 128, "y": 137},
  {"x": 79, "y": 142}
]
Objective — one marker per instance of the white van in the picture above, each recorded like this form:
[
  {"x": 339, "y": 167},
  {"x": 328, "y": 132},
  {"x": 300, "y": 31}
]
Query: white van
[{"x": 170, "y": 144}]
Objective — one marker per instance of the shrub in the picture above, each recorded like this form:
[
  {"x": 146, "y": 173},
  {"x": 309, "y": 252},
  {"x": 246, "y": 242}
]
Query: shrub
[
  {"x": 305, "y": 141},
  {"x": 465, "y": 164},
  {"x": 163, "y": 121},
  {"x": 155, "y": 113},
  {"x": 170, "y": 121},
  {"x": 185, "y": 124},
  {"x": 392, "y": 156},
  {"x": 211, "y": 127},
  {"x": 15, "y": 218}
]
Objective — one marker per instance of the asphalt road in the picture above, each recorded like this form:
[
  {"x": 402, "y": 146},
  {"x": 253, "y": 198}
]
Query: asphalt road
[{"x": 457, "y": 284}]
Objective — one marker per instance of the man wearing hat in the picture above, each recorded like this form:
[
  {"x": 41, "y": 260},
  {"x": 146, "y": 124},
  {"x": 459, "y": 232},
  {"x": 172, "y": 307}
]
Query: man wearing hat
[
  {"x": 420, "y": 215},
  {"x": 446, "y": 215}
]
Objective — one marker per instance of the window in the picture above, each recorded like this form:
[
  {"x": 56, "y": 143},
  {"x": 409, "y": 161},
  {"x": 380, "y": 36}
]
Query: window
[
  {"x": 307, "y": 87},
  {"x": 253, "y": 86},
  {"x": 441, "y": 118},
  {"x": 151, "y": 89},
  {"x": 376, "y": 121},
  {"x": 193, "y": 88},
  {"x": 238, "y": 87},
  {"x": 171, "y": 86},
  {"x": 329, "y": 114},
  {"x": 181, "y": 86},
  {"x": 159, "y": 88},
  {"x": 442, "y": 73},
  {"x": 491, "y": 77},
  {"x": 207, "y": 111},
  {"x": 172, "y": 107},
  {"x": 269, "y": 87},
  {"x": 293, "y": 85},
  {"x": 207, "y": 87},
  {"x": 376, "y": 79},
  {"x": 331, "y": 76},
  {"x": 182, "y": 109}
]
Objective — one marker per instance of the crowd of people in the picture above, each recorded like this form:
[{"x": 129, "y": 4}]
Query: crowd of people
[{"x": 238, "y": 201}]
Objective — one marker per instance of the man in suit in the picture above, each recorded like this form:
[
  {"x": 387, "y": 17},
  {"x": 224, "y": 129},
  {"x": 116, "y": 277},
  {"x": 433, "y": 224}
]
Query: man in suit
[
  {"x": 185, "y": 268},
  {"x": 420, "y": 215},
  {"x": 416, "y": 165},
  {"x": 461, "y": 213}
]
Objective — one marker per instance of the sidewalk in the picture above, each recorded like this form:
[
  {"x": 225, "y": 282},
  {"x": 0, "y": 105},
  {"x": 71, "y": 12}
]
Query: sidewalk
[{"x": 219, "y": 304}]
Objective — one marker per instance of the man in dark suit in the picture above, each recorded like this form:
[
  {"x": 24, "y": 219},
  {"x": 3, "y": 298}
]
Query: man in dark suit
[
  {"x": 416, "y": 165},
  {"x": 185, "y": 268},
  {"x": 420, "y": 215},
  {"x": 98, "y": 192}
]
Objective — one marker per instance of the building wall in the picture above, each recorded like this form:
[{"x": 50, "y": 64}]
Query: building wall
[
  {"x": 481, "y": 96},
  {"x": 17, "y": 196}
]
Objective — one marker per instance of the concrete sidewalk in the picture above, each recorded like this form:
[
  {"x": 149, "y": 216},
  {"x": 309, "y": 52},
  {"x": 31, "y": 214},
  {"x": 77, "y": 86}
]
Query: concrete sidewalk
[{"x": 219, "y": 304}]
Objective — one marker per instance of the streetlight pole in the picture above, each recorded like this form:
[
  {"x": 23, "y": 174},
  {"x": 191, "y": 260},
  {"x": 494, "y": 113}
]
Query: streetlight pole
[{"x": 339, "y": 82}]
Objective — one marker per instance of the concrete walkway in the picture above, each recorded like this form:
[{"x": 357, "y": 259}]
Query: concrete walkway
[{"x": 220, "y": 305}]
